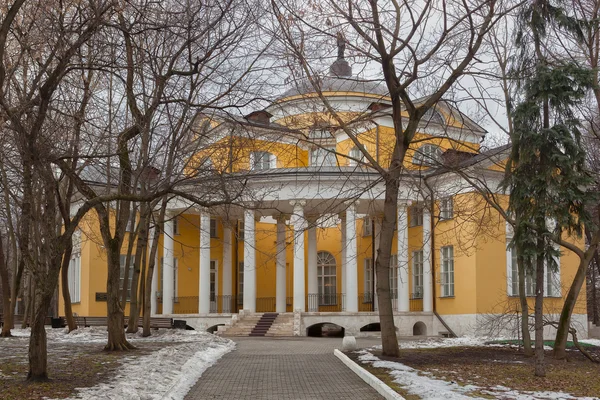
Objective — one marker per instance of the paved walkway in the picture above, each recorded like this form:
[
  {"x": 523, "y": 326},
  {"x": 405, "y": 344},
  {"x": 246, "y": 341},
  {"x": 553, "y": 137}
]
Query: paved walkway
[{"x": 287, "y": 368}]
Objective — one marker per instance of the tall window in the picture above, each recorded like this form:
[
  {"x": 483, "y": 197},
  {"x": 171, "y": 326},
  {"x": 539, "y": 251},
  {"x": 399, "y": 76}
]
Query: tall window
[
  {"x": 176, "y": 225},
  {"x": 394, "y": 276},
  {"x": 553, "y": 282},
  {"x": 240, "y": 283},
  {"x": 123, "y": 261},
  {"x": 447, "y": 271},
  {"x": 355, "y": 154},
  {"x": 75, "y": 279},
  {"x": 446, "y": 208},
  {"x": 415, "y": 215},
  {"x": 368, "y": 275},
  {"x": 326, "y": 278},
  {"x": 417, "y": 272},
  {"x": 513, "y": 278},
  {"x": 427, "y": 155},
  {"x": 367, "y": 226},
  {"x": 261, "y": 160},
  {"x": 240, "y": 230},
  {"x": 323, "y": 157},
  {"x": 213, "y": 228},
  {"x": 213, "y": 280}
]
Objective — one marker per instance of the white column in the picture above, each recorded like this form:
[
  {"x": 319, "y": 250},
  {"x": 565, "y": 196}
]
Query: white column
[
  {"x": 168, "y": 273},
  {"x": 351, "y": 271},
  {"x": 313, "y": 303},
  {"x": 227, "y": 286},
  {"x": 204, "y": 277},
  {"x": 403, "y": 290},
  {"x": 154, "y": 285},
  {"x": 280, "y": 278},
  {"x": 343, "y": 269},
  {"x": 299, "y": 224},
  {"x": 249, "y": 262},
  {"x": 427, "y": 270}
]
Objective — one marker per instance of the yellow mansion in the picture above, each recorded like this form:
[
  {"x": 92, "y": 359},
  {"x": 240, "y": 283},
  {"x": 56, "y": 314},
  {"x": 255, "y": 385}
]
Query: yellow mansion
[{"x": 301, "y": 241}]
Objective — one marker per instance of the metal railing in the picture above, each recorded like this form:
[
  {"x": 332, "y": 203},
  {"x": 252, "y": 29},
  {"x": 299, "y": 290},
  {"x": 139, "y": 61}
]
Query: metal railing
[
  {"x": 314, "y": 302},
  {"x": 330, "y": 302}
]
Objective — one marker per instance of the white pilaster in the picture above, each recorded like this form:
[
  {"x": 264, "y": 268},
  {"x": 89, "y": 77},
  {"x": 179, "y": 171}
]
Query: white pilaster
[
  {"x": 299, "y": 225},
  {"x": 227, "y": 279},
  {"x": 168, "y": 273},
  {"x": 427, "y": 270},
  {"x": 204, "y": 277},
  {"x": 154, "y": 285},
  {"x": 249, "y": 261},
  {"x": 403, "y": 290},
  {"x": 313, "y": 303},
  {"x": 280, "y": 273},
  {"x": 343, "y": 269},
  {"x": 351, "y": 271}
]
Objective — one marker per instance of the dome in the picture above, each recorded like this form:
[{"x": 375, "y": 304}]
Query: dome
[
  {"x": 339, "y": 79},
  {"x": 339, "y": 84}
]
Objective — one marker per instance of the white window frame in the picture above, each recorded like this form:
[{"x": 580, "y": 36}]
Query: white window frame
[
  {"x": 240, "y": 283},
  {"x": 75, "y": 279},
  {"x": 367, "y": 227},
  {"x": 368, "y": 277},
  {"x": 323, "y": 157},
  {"x": 355, "y": 154},
  {"x": 394, "y": 276},
  {"x": 262, "y": 160},
  {"x": 417, "y": 274},
  {"x": 214, "y": 229},
  {"x": 415, "y": 215},
  {"x": 446, "y": 209},
  {"x": 214, "y": 279},
  {"x": 122, "y": 261},
  {"x": 447, "y": 271},
  {"x": 427, "y": 155},
  {"x": 176, "y": 225},
  {"x": 325, "y": 261}
]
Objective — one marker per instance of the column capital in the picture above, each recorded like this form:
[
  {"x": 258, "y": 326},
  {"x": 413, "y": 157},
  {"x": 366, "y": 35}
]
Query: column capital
[
  {"x": 404, "y": 203},
  {"x": 297, "y": 203}
]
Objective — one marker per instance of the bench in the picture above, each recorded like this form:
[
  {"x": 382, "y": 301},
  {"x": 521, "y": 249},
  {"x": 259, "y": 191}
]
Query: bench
[
  {"x": 155, "y": 322},
  {"x": 91, "y": 321}
]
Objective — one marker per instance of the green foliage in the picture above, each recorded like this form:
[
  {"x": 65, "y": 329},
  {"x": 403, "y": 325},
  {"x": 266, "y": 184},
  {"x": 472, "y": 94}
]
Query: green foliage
[{"x": 546, "y": 172}]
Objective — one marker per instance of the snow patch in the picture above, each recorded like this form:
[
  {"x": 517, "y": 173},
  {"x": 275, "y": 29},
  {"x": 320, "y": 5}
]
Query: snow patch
[{"x": 426, "y": 387}]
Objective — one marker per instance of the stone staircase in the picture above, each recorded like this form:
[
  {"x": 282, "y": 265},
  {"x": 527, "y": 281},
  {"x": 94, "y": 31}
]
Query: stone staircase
[
  {"x": 264, "y": 324},
  {"x": 267, "y": 324}
]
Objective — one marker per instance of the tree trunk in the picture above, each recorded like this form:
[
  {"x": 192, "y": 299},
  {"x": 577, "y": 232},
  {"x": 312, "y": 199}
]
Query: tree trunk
[
  {"x": 65, "y": 287},
  {"x": 594, "y": 297},
  {"x": 115, "y": 316},
  {"x": 38, "y": 355},
  {"x": 27, "y": 297},
  {"x": 6, "y": 305},
  {"x": 562, "y": 332},
  {"x": 540, "y": 368},
  {"x": 142, "y": 239},
  {"x": 527, "y": 350},
  {"x": 150, "y": 271}
]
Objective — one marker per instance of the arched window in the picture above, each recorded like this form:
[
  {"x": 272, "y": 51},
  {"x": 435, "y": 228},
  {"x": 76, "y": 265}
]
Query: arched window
[
  {"x": 432, "y": 116},
  {"x": 326, "y": 276},
  {"x": 427, "y": 155}
]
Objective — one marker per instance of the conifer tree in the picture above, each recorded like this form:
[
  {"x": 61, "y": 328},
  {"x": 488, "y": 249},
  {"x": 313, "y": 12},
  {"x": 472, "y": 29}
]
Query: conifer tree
[{"x": 545, "y": 173}]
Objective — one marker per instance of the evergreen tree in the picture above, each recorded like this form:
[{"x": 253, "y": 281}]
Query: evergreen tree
[{"x": 545, "y": 174}]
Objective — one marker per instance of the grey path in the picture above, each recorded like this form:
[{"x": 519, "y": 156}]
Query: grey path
[{"x": 286, "y": 368}]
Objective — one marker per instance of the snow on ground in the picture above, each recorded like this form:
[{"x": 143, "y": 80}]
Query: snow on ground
[
  {"x": 428, "y": 388},
  {"x": 168, "y": 373}
]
